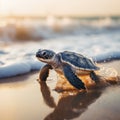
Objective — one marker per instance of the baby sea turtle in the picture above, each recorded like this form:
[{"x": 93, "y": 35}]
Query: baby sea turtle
[{"x": 70, "y": 64}]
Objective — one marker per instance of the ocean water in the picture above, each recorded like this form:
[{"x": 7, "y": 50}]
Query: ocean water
[{"x": 95, "y": 37}]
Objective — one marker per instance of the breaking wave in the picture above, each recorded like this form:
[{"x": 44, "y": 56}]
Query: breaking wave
[{"x": 52, "y": 27}]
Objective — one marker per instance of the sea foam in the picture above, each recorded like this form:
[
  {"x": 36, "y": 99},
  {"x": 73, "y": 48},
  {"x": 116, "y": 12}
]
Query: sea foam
[
  {"x": 18, "y": 59},
  {"x": 18, "y": 68}
]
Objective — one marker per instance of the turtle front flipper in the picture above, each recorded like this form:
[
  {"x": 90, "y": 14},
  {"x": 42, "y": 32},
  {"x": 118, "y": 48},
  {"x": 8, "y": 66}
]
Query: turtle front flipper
[
  {"x": 44, "y": 72},
  {"x": 72, "y": 78}
]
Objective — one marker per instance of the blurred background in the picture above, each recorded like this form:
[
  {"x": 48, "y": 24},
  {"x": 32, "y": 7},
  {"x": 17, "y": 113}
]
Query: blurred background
[
  {"x": 44, "y": 19},
  {"x": 90, "y": 27}
]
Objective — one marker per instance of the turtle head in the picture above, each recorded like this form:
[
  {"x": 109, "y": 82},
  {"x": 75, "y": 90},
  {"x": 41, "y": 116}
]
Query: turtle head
[{"x": 45, "y": 55}]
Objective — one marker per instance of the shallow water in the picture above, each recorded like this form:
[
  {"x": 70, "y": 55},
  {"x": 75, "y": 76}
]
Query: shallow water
[{"x": 23, "y": 98}]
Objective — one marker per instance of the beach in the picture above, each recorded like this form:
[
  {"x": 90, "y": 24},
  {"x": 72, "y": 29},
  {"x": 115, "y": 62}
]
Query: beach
[{"x": 24, "y": 98}]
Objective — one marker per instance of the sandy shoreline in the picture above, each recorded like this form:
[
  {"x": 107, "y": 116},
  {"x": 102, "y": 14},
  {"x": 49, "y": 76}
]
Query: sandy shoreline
[{"x": 23, "y": 98}]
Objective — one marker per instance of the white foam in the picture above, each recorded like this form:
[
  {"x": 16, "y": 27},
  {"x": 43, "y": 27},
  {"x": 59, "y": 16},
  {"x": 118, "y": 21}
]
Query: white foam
[
  {"x": 21, "y": 58},
  {"x": 18, "y": 68}
]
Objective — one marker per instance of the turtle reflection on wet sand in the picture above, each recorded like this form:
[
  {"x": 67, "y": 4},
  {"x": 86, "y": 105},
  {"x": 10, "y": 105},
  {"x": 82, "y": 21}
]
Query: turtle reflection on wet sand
[
  {"x": 70, "y": 64},
  {"x": 74, "y": 104}
]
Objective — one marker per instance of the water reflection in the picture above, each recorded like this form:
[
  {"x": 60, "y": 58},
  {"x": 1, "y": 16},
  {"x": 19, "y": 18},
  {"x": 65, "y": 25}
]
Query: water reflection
[
  {"x": 68, "y": 106},
  {"x": 48, "y": 99}
]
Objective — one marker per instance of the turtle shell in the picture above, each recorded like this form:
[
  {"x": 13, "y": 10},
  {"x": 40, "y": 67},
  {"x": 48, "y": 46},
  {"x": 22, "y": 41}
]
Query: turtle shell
[{"x": 78, "y": 60}]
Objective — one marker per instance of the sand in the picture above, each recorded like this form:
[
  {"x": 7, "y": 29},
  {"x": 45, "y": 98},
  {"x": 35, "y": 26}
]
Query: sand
[{"x": 24, "y": 98}]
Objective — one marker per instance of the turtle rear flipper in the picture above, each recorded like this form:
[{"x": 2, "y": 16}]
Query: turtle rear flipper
[
  {"x": 72, "y": 78},
  {"x": 44, "y": 72}
]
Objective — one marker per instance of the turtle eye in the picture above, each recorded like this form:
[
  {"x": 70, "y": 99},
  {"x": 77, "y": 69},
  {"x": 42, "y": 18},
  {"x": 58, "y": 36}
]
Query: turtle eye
[{"x": 44, "y": 53}]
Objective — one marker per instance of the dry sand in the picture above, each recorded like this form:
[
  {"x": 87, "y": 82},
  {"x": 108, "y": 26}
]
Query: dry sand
[{"x": 23, "y": 98}]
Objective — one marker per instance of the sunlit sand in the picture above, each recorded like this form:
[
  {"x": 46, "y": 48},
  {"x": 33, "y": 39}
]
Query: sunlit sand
[{"x": 23, "y": 97}]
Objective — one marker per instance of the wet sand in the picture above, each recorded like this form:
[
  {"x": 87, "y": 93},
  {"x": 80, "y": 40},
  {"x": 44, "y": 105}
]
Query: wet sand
[{"x": 24, "y": 98}]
